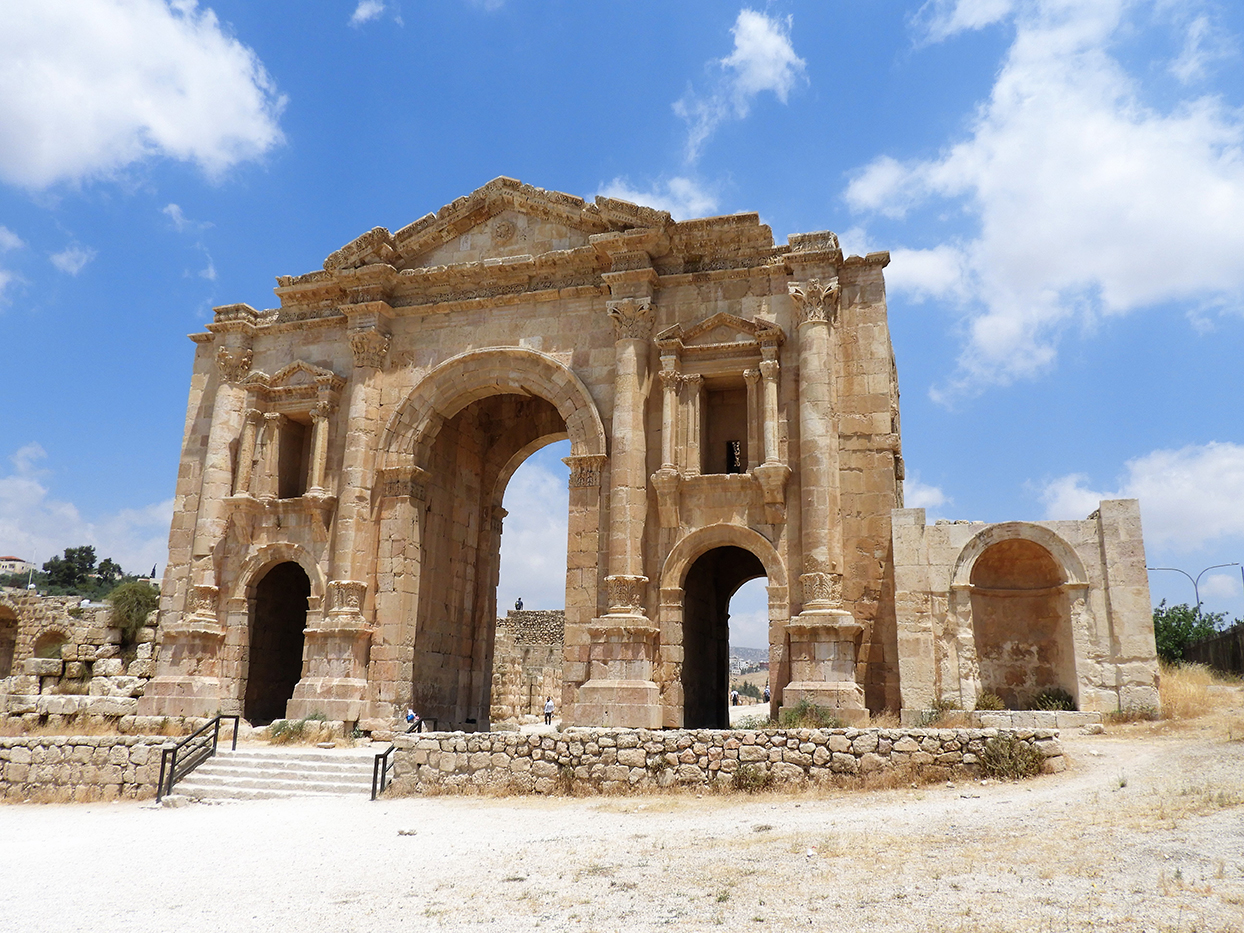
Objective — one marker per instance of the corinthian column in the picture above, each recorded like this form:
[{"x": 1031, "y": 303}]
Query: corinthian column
[
  {"x": 824, "y": 637},
  {"x": 620, "y": 690}
]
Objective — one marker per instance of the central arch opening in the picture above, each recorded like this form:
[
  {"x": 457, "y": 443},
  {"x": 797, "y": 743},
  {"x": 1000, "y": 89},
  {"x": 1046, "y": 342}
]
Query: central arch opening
[
  {"x": 278, "y": 617},
  {"x": 711, "y": 582},
  {"x": 470, "y": 464}
]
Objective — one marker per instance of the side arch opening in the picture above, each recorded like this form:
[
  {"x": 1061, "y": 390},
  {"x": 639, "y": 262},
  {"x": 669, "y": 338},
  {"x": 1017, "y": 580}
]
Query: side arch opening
[{"x": 278, "y": 615}]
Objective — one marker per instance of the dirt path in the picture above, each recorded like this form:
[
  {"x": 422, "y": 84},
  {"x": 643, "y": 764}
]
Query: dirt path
[{"x": 1145, "y": 833}]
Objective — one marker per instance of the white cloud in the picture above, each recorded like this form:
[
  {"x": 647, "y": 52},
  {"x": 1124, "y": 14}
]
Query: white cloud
[
  {"x": 763, "y": 60},
  {"x": 684, "y": 198},
  {"x": 209, "y": 271},
  {"x": 749, "y": 615},
  {"x": 945, "y": 18},
  {"x": 1220, "y": 585},
  {"x": 175, "y": 214},
  {"x": 366, "y": 11},
  {"x": 533, "y": 537},
  {"x": 9, "y": 240},
  {"x": 1080, "y": 191},
  {"x": 72, "y": 259},
  {"x": 87, "y": 88},
  {"x": 1189, "y": 498},
  {"x": 34, "y": 525},
  {"x": 918, "y": 495}
]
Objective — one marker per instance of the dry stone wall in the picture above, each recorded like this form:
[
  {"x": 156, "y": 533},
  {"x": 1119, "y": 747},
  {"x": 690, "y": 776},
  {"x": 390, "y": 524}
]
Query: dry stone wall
[
  {"x": 79, "y": 768},
  {"x": 527, "y": 662},
  {"x": 611, "y": 761},
  {"x": 89, "y": 680}
]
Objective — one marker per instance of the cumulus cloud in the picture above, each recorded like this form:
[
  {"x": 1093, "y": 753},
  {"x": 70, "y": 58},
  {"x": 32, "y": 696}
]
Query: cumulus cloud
[
  {"x": 533, "y": 538},
  {"x": 1189, "y": 498},
  {"x": 918, "y": 495},
  {"x": 366, "y": 11},
  {"x": 763, "y": 60},
  {"x": 87, "y": 88},
  {"x": 72, "y": 259},
  {"x": 35, "y": 525},
  {"x": 684, "y": 198},
  {"x": 1078, "y": 188},
  {"x": 1220, "y": 585},
  {"x": 8, "y": 240}
]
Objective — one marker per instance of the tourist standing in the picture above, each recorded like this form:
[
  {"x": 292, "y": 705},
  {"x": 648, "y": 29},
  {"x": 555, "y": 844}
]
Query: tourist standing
[{"x": 548, "y": 711}]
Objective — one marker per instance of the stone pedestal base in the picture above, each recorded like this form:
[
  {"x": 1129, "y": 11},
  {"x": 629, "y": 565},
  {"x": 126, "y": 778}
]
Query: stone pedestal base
[
  {"x": 824, "y": 644},
  {"x": 844, "y": 699},
  {"x": 630, "y": 704},
  {"x": 343, "y": 698},
  {"x": 620, "y": 691}
]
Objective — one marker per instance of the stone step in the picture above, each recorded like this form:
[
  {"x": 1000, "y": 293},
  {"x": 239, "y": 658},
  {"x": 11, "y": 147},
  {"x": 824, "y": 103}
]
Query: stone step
[{"x": 250, "y": 775}]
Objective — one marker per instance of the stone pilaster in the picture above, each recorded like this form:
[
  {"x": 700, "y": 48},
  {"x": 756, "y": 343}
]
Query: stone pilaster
[{"x": 824, "y": 637}]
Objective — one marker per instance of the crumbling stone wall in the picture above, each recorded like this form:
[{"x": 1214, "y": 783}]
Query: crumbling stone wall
[
  {"x": 92, "y": 680},
  {"x": 620, "y": 760},
  {"x": 527, "y": 663},
  {"x": 79, "y": 768}
]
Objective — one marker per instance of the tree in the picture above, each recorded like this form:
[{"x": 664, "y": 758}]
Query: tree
[
  {"x": 1177, "y": 627},
  {"x": 109, "y": 571},
  {"x": 70, "y": 570}
]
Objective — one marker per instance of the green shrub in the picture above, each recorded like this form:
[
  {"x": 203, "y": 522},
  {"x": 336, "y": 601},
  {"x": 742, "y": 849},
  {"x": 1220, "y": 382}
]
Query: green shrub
[
  {"x": 1054, "y": 698},
  {"x": 131, "y": 604},
  {"x": 751, "y": 778},
  {"x": 807, "y": 715},
  {"x": 1007, "y": 757},
  {"x": 989, "y": 701}
]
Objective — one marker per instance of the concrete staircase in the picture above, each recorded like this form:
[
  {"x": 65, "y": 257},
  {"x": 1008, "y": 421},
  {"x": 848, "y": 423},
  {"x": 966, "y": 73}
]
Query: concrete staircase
[{"x": 279, "y": 772}]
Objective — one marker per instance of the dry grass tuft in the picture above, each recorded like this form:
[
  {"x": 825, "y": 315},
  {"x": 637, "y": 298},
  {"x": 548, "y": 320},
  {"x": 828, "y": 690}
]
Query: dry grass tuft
[{"x": 1184, "y": 690}]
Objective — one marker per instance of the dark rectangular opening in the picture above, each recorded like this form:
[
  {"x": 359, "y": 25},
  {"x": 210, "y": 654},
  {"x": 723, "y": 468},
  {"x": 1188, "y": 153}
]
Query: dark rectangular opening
[{"x": 295, "y": 458}]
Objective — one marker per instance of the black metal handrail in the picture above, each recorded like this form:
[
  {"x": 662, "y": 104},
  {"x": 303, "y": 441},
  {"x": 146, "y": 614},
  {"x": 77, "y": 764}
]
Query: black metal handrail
[
  {"x": 178, "y": 760},
  {"x": 381, "y": 766}
]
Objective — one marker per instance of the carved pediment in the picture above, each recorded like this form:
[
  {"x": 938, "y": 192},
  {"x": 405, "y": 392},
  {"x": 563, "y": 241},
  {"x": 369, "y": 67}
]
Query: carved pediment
[
  {"x": 720, "y": 332},
  {"x": 298, "y": 381},
  {"x": 505, "y": 218}
]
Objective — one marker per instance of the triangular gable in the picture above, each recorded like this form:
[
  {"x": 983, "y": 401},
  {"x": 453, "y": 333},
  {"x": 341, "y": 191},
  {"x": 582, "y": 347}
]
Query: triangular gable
[
  {"x": 298, "y": 380},
  {"x": 720, "y": 330},
  {"x": 503, "y": 218}
]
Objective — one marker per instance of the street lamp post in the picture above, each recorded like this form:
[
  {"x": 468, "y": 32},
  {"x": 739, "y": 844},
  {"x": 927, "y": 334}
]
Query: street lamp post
[{"x": 1196, "y": 581}]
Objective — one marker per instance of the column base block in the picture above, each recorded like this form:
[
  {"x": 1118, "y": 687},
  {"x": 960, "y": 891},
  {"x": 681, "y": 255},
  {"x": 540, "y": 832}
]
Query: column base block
[
  {"x": 629, "y": 704},
  {"x": 340, "y": 698},
  {"x": 843, "y": 698}
]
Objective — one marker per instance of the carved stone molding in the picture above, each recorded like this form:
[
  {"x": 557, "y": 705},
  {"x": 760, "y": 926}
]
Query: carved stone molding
[
  {"x": 626, "y": 593},
  {"x": 201, "y": 603},
  {"x": 632, "y": 318},
  {"x": 234, "y": 363},
  {"x": 370, "y": 348},
  {"x": 815, "y": 300},
  {"x": 822, "y": 589},
  {"x": 345, "y": 597},
  {"x": 585, "y": 470},
  {"x": 404, "y": 481},
  {"x": 772, "y": 478}
]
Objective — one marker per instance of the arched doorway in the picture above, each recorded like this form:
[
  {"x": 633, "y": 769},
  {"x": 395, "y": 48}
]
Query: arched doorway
[
  {"x": 278, "y": 617},
  {"x": 1021, "y": 619},
  {"x": 468, "y": 466},
  {"x": 8, "y": 640},
  {"x": 711, "y": 580}
]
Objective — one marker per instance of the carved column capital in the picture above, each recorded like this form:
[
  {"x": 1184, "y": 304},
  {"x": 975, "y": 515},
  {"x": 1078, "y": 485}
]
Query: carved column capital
[
  {"x": 234, "y": 362},
  {"x": 751, "y": 376},
  {"x": 321, "y": 410},
  {"x": 626, "y": 593},
  {"x": 693, "y": 381},
  {"x": 370, "y": 348},
  {"x": 768, "y": 369},
  {"x": 816, "y": 301},
  {"x": 632, "y": 318},
  {"x": 821, "y": 590},
  {"x": 252, "y": 416},
  {"x": 669, "y": 378},
  {"x": 585, "y": 470}
]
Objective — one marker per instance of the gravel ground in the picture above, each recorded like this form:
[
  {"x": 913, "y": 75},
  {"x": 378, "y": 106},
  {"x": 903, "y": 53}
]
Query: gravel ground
[{"x": 1146, "y": 832}]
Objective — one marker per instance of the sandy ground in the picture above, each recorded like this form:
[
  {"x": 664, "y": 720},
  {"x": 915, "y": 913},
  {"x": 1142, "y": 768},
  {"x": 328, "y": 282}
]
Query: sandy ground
[{"x": 1145, "y": 833}]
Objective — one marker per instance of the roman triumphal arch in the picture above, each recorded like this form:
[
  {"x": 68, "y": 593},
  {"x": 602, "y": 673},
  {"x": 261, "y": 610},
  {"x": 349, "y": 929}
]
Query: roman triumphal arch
[{"x": 732, "y": 410}]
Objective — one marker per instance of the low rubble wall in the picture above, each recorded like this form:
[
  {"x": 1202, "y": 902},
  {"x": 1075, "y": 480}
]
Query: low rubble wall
[
  {"x": 79, "y": 767},
  {"x": 610, "y": 761}
]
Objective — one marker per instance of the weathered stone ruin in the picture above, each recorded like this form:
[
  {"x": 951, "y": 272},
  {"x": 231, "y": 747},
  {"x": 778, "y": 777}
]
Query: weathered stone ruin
[
  {"x": 527, "y": 662},
  {"x": 732, "y": 408}
]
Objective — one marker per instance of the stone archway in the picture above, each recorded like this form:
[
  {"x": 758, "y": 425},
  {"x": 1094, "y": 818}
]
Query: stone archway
[
  {"x": 448, "y": 453},
  {"x": 1021, "y": 622},
  {"x": 701, "y": 574},
  {"x": 278, "y": 615}
]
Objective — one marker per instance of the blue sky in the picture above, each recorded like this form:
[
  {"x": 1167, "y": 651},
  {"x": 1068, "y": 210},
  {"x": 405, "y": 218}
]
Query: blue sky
[{"x": 1061, "y": 185}]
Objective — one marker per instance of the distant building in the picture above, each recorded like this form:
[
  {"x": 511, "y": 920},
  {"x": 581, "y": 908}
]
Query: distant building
[{"x": 15, "y": 565}]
